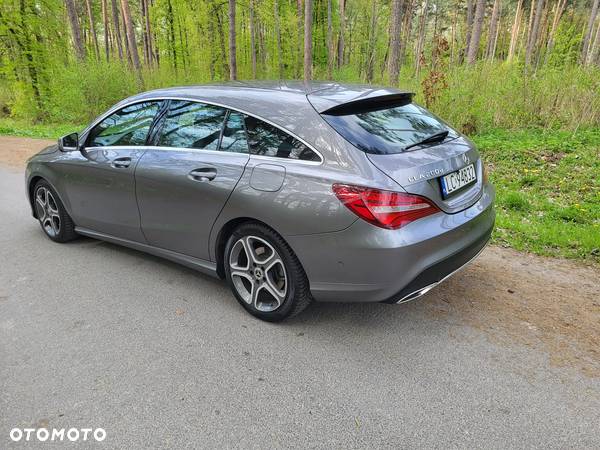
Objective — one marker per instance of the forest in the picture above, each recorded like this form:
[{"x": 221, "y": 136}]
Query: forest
[
  {"x": 519, "y": 77},
  {"x": 481, "y": 64}
]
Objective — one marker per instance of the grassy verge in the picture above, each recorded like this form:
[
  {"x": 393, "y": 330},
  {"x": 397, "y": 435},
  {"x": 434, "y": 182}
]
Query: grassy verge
[
  {"x": 547, "y": 182},
  {"x": 10, "y": 127},
  {"x": 548, "y": 187}
]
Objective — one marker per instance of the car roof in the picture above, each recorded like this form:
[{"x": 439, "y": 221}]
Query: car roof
[{"x": 274, "y": 99}]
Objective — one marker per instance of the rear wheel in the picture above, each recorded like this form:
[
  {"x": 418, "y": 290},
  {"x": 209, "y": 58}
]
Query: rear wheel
[
  {"x": 52, "y": 215},
  {"x": 264, "y": 273}
]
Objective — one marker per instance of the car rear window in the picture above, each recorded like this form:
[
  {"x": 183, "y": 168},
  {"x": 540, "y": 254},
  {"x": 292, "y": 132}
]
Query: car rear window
[{"x": 389, "y": 130}]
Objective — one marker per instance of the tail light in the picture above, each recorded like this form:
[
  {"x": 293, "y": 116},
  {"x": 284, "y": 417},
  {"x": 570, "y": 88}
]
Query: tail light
[{"x": 386, "y": 209}]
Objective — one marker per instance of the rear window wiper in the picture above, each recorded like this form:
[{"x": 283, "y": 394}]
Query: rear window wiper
[{"x": 437, "y": 137}]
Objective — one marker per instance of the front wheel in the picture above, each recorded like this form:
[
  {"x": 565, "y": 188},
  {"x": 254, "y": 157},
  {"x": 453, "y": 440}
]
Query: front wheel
[
  {"x": 52, "y": 215},
  {"x": 265, "y": 274}
]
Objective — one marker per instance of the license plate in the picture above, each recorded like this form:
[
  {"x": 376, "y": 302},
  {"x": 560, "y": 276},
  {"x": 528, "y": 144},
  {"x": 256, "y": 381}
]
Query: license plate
[{"x": 456, "y": 180}]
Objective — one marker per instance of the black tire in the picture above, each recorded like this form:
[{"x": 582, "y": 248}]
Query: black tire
[
  {"x": 297, "y": 296},
  {"x": 66, "y": 229}
]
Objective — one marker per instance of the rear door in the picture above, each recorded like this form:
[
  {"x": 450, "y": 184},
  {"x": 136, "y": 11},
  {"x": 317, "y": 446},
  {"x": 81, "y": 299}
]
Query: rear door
[
  {"x": 185, "y": 178},
  {"x": 100, "y": 180}
]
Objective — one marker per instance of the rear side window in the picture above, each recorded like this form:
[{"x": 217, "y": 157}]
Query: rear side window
[
  {"x": 267, "y": 140},
  {"x": 128, "y": 126},
  {"x": 388, "y": 130},
  {"x": 192, "y": 125},
  {"x": 234, "y": 134}
]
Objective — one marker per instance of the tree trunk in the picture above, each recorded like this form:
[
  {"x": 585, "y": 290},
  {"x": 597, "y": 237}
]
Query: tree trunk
[
  {"x": 117, "y": 28},
  {"x": 588, "y": 33},
  {"x": 278, "y": 38},
  {"x": 330, "y": 48},
  {"x": 595, "y": 51},
  {"x": 232, "y": 55},
  {"x": 149, "y": 32},
  {"x": 90, "y": 15},
  {"x": 171, "y": 39},
  {"x": 514, "y": 34},
  {"x": 372, "y": 42},
  {"x": 340, "y": 60},
  {"x": 395, "y": 26},
  {"x": 31, "y": 67},
  {"x": 476, "y": 33},
  {"x": 130, "y": 32},
  {"x": 468, "y": 27},
  {"x": 211, "y": 47},
  {"x": 252, "y": 38},
  {"x": 421, "y": 37},
  {"x": 406, "y": 30},
  {"x": 533, "y": 35},
  {"x": 221, "y": 39},
  {"x": 558, "y": 12},
  {"x": 493, "y": 33},
  {"x": 145, "y": 32},
  {"x": 308, "y": 16},
  {"x": 75, "y": 29},
  {"x": 300, "y": 19},
  {"x": 106, "y": 30}
]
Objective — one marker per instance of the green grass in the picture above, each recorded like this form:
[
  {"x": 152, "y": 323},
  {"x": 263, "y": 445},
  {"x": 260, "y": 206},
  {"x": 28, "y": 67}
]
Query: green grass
[
  {"x": 548, "y": 190},
  {"x": 11, "y": 127},
  {"x": 547, "y": 182}
]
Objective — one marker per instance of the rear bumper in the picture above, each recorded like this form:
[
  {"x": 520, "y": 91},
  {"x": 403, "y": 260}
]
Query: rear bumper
[
  {"x": 364, "y": 263},
  {"x": 440, "y": 271}
]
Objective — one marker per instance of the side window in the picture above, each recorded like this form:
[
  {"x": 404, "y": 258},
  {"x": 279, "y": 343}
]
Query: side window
[
  {"x": 234, "y": 135},
  {"x": 192, "y": 125},
  {"x": 267, "y": 140},
  {"x": 128, "y": 126}
]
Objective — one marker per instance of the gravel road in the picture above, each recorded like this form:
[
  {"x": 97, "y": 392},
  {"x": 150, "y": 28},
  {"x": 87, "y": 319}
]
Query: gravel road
[{"x": 504, "y": 355}]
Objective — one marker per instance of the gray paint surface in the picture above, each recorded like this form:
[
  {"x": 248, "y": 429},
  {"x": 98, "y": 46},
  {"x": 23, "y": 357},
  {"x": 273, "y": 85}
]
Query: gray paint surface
[
  {"x": 162, "y": 204},
  {"x": 92, "y": 334}
]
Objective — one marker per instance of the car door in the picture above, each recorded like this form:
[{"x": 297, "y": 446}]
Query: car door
[
  {"x": 100, "y": 180},
  {"x": 184, "y": 179}
]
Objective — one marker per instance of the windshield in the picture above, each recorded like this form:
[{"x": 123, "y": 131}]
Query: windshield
[{"x": 390, "y": 130}]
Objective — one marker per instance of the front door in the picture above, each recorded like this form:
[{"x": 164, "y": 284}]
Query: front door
[
  {"x": 101, "y": 183},
  {"x": 185, "y": 179}
]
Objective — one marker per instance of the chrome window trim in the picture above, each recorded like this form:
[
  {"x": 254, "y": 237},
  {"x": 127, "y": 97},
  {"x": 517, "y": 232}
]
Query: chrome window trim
[{"x": 207, "y": 102}]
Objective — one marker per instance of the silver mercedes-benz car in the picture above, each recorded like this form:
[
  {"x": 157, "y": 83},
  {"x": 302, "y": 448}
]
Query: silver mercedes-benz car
[{"x": 290, "y": 191}]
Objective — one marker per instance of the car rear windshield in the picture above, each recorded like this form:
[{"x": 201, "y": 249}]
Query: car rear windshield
[{"x": 389, "y": 130}]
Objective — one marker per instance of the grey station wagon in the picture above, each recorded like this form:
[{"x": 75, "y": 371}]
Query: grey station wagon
[{"x": 290, "y": 191}]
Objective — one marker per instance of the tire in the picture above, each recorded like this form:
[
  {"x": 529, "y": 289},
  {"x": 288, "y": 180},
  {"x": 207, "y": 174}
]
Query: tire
[
  {"x": 270, "y": 284},
  {"x": 51, "y": 213}
]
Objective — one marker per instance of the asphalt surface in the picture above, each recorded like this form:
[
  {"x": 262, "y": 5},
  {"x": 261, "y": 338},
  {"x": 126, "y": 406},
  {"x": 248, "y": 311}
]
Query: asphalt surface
[{"x": 95, "y": 335}]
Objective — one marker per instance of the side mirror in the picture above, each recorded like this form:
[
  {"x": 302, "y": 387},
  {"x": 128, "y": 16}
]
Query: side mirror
[{"x": 68, "y": 143}]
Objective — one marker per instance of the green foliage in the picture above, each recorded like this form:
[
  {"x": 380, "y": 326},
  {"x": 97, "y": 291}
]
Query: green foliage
[
  {"x": 13, "y": 127},
  {"x": 500, "y": 95},
  {"x": 548, "y": 190}
]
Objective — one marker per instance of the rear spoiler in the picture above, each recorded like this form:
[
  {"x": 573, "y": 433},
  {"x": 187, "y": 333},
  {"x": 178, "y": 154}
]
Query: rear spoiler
[{"x": 370, "y": 104}]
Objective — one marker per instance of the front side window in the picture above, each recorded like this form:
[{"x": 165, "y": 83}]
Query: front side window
[
  {"x": 267, "y": 140},
  {"x": 192, "y": 125},
  {"x": 389, "y": 130},
  {"x": 128, "y": 126},
  {"x": 234, "y": 134}
]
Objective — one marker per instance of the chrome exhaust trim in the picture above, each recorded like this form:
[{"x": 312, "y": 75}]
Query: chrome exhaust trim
[{"x": 426, "y": 289}]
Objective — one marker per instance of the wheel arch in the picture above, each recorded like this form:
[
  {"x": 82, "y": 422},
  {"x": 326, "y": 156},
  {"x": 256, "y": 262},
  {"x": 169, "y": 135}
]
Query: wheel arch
[
  {"x": 32, "y": 182},
  {"x": 223, "y": 235}
]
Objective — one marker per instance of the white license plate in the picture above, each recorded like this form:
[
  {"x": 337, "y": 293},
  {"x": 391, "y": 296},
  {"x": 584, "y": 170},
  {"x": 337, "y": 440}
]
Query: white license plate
[{"x": 459, "y": 179}]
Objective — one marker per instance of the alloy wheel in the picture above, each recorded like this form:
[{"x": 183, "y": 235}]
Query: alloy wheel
[
  {"x": 47, "y": 211},
  {"x": 258, "y": 273}
]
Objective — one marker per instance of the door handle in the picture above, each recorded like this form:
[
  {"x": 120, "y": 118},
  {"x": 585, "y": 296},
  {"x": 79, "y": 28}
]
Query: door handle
[
  {"x": 121, "y": 163},
  {"x": 203, "y": 174}
]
